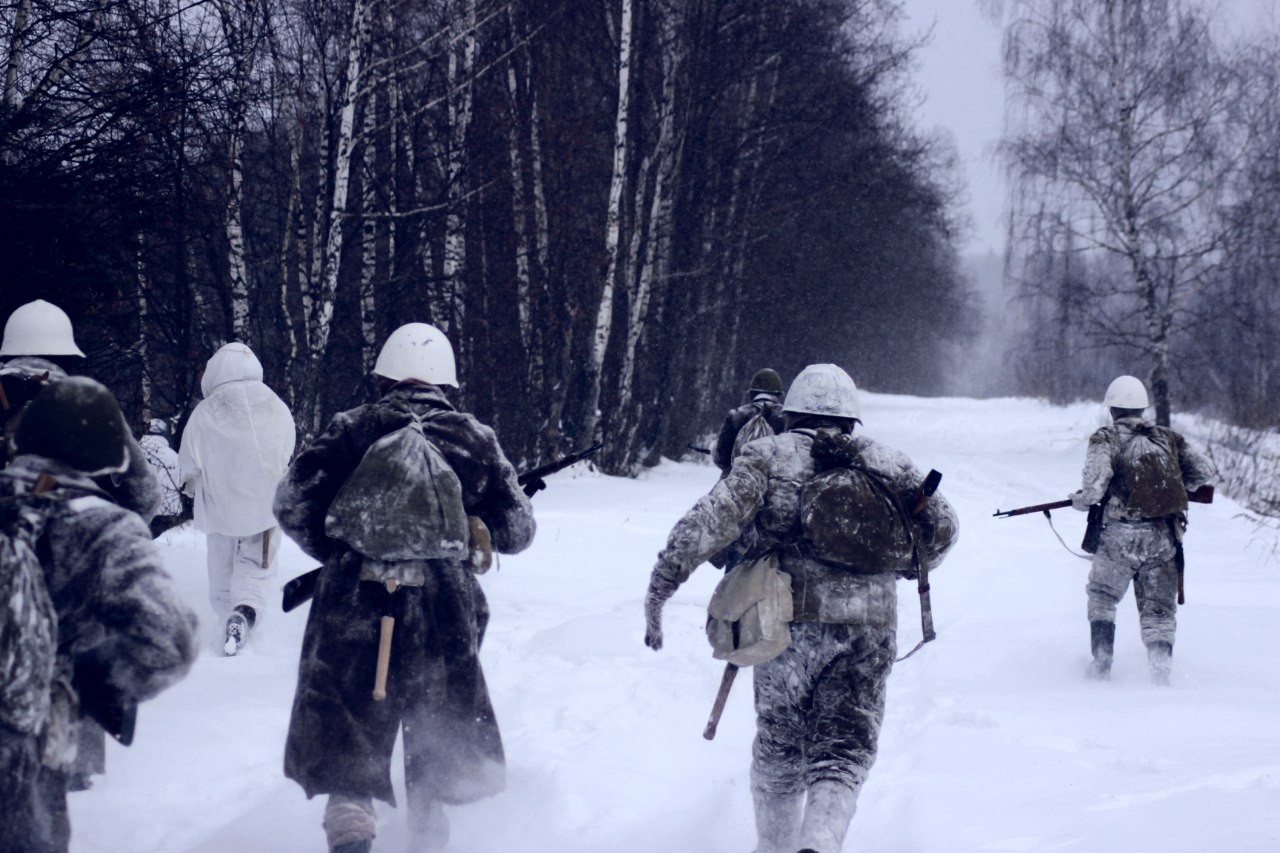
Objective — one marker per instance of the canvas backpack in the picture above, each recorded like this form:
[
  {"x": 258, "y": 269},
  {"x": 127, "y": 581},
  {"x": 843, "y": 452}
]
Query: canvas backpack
[
  {"x": 403, "y": 501},
  {"x": 757, "y": 426},
  {"x": 849, "y": 518},
  {"x": 1148, "y": 476},
  {"x": 749, "y": 615},
  {"x": 28, "y": 620}
]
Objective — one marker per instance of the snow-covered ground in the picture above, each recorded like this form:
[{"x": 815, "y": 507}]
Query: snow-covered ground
[{"x": 993, "y": 740}]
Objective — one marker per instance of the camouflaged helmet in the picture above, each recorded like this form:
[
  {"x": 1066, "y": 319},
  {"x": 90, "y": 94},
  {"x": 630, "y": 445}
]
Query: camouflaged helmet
[
  {"x": 77, "y": 421},
  {"x": 823, "y": 389}
]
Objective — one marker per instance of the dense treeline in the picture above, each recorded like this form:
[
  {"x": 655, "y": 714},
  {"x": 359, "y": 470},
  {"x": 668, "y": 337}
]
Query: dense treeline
[
  {"x": 617, "y": 209},
  {"x": 1142, "y": 143}
]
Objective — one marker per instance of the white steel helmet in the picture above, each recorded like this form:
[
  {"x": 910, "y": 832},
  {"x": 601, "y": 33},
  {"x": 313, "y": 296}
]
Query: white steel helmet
[
  {"x": 823, "y": 389},
  {"x": 418, "y": 351},
  {"x": 39, "y": 328},
  {"x": 1126, "y": 392}
]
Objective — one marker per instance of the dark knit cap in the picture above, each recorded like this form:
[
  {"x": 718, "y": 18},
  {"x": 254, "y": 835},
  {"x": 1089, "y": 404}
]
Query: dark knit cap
[{"x": 77, "y": 421}]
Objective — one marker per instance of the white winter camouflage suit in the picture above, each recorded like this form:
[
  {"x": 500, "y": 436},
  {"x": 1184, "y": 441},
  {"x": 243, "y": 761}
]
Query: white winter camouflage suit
[
  {"x": 1132, "y": 548},
  {"x": 819, "y": 705}
]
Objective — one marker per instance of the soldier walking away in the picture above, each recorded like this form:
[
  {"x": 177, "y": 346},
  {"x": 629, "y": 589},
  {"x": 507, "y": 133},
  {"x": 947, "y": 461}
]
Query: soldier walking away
[
  {"x": 764, "y": 398},
  {"x": 1138, "y": 475},
  {"x": 163, "y": 460},
  {"x": 389, "y": 498},
  {"x": 235, "y": 448},
  {"x": 98, "y": 626},
  {"x": 819, "y": 703},
  {"x": 39, "y": 348}
]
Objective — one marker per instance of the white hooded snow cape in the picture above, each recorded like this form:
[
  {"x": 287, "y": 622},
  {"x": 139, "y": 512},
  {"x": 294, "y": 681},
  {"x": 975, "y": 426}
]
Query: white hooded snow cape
[{"x": 236, "y": 446}]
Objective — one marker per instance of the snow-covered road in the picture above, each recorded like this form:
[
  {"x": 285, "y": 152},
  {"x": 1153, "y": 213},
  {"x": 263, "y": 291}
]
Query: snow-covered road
[{"x": 993, "y": 740}]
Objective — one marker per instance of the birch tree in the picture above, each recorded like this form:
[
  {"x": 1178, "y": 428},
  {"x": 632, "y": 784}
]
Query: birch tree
[
  {"x": 603, "y": 326},
  {"x": 1122, "y": 121}
]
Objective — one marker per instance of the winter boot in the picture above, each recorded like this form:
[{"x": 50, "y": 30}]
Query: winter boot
[
  {"x": 1160, "y": 656},
  {"x": 362, "y": 846},
  {"x": 777, "y": 821},
  {"x": 827, "y": 813},
  {"x": 237, "y": 631},
  {"x": 429, "y": 825},
  {"x": 349, "y": 824},
  {"x": 1102, "y": 636}
]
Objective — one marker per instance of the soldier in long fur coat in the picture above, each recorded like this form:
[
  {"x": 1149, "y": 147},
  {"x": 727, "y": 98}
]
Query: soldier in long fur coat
[
  {"x": 340, "y": 738},
  {"x": 123, "y": 634}
]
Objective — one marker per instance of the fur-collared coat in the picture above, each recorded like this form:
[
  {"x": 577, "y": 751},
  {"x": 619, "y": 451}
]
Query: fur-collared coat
[
  {"x": 123, "y": 636},
  {"x": 340, "y": 739}
]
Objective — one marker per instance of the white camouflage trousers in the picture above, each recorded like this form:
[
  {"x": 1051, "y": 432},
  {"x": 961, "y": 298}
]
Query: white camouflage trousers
[
  {"x": 1146, "y": 554},
  {"x": 236, "y": 573},
  {"x": 819, "y": 706}
]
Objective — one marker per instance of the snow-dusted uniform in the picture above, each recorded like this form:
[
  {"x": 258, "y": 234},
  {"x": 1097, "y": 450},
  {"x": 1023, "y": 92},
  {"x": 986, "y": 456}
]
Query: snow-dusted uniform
[
  {"x": 163, "y": 460},
  {"x": 819, "y": 704},
  {"x": 1133, "y": 548},
  {"x": 122, "y": 631},
  {"x": 235, "y": 448},
  {"x": 340, "y": 739}
]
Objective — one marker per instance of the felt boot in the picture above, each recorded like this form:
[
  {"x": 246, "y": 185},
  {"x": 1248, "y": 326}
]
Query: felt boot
[
  {"x": 777, "y": 821},
  {"x": 827, "y": 812},
  {"x": 1160, "y": 656},
  {"x": 1102, "y": 636}
]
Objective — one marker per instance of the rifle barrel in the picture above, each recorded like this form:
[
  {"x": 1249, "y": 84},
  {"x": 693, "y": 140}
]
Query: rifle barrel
[
  {"x": 1202, "y": 495},
  {"x": 1026, "y": 510}
]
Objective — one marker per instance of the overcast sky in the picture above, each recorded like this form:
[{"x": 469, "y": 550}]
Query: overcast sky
[{"x": 959, "y": 71}]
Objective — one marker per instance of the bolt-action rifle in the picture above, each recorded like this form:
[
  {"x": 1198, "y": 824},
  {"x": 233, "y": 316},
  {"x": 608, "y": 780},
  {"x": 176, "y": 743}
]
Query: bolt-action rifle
[
  {"x": 300, "y": 590},
  {"x": 531, "y": 481},
  {"x": 1202, "y": 495}
]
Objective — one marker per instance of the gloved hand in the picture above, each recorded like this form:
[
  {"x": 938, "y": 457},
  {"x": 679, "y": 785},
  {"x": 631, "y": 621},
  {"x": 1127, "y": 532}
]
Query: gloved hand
[
  {"x": 534, "y": 486},
  {"x": 1078, "y": 501},
  {"x": 660, "y": 589}
]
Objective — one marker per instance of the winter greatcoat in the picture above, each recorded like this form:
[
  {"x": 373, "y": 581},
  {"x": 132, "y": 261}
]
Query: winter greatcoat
[
  {"x": 722, "y": 453},
  {"x": 123, "y": 636},
  {"x": 820, "y": 703},
  {"x": 1131, "y": 548},
  {"x": 340, "y": 739}
]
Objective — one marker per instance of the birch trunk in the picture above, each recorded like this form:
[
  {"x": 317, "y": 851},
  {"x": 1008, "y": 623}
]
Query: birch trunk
[
  {"x": 653, "y": 266},
  {"x": 613, "y": 225},
  {"x": 462, "y": 52},
  {"x": 324, "y": 304},
  {"x": 369, "y": 237}
]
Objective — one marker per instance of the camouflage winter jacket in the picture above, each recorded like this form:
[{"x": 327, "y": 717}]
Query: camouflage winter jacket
[
  {"x": 124, "y": 634},
  {"x": 763, "y": 489},
  {"x": 1103, "y": 455},
  {"x": 722, "y": 453}
]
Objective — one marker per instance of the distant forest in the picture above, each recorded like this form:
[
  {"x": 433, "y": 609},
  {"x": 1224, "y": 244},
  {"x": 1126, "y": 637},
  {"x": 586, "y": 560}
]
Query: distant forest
[
  {"x": 1142, "y": 142},
  {"x": 617, "y": 209}
]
